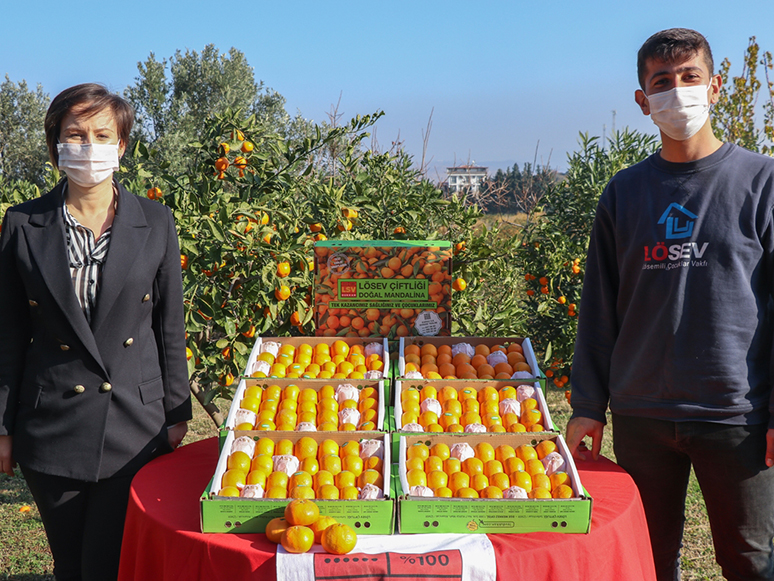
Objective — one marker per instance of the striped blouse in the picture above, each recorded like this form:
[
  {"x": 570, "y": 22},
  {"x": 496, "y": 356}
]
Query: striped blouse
[{"x": 86, "y": 257}]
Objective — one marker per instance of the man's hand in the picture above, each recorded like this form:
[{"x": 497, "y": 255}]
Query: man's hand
[
  {"x": 176, "y": 434},
  {"x": 6, "y": 458},
  {"x": 770, "y": 448},
  {"x": 578, "y": 428}
]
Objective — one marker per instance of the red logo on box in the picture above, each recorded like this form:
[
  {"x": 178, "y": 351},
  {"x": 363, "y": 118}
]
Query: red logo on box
[{"x": 349, "y": 289}]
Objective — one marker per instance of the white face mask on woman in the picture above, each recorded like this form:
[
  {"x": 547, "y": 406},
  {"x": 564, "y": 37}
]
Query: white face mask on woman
[
  {"x": 680, "y": 112},
  {"x": 88, "y": 164}
]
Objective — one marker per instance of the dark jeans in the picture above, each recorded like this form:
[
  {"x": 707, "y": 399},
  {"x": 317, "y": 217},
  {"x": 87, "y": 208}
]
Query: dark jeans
[
  {"x": 737, "y": 487},
  {"x": 84, "y": 523}
]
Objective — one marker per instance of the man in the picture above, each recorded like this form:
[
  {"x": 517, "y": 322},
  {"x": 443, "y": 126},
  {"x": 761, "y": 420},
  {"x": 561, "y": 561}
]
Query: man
[{"x": 676, "y": 328}]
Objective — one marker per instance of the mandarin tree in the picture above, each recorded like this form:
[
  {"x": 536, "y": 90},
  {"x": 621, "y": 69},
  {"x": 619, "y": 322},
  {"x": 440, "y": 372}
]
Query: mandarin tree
[
  {"x": 554, "y": 246},
  {"x": 240, "y": 225}
]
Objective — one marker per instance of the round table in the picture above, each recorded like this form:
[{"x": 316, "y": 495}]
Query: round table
[{"x": 162, "y": 538}]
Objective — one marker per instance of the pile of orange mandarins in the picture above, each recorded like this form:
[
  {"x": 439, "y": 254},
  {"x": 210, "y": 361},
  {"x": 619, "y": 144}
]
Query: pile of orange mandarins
[
  {"x": 460, "y": 407},
  {"x": 488, "y": 473},
  {"x": 336, "y": 361},
  {"x": 303, "y": 526},
  {"x": 285, "y": 409},
  {"x": 439, "y": 362},
  {"x": 325, "y": 471}
]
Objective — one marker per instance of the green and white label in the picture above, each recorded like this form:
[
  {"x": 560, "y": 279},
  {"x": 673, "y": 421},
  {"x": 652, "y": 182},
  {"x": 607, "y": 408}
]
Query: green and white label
[{"x": 383, "y": 293}]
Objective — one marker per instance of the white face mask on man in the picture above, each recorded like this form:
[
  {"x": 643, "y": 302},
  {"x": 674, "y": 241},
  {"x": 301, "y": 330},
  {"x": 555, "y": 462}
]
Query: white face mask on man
[
  {"x": 88, "y": 164},
  {"x": 680, "y": 112}
]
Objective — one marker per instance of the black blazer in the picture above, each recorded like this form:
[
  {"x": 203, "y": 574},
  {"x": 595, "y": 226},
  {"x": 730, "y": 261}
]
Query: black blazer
[{"x": 91, "y": 401}]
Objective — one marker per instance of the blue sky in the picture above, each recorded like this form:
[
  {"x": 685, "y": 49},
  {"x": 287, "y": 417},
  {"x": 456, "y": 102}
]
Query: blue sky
[{"x": 501, "y": 78}]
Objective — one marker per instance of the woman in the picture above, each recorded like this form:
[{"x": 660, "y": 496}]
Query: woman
[{"x": 93, "y": 376}]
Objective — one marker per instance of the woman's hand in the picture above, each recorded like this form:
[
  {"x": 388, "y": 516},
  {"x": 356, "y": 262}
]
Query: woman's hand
[
  {"x": 6, "y": 458},
  {"x": 176, "y": 434}
]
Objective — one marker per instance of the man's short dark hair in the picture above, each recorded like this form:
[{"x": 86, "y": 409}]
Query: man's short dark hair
[{"x": 672, "y": 46}]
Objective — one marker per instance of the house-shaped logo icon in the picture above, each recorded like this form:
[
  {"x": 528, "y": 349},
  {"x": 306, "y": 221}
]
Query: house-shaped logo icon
[{"x": 679, "y": 221}]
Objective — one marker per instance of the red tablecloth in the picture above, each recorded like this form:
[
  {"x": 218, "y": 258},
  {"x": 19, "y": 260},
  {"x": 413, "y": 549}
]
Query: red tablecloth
[{"x": 162, "y": 538}]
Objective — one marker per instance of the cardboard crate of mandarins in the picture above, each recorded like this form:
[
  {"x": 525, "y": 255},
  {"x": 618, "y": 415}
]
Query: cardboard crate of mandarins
[
  {"x": 319, "y": 358},
  {"x": 489, "y": 483},
  {"x": 310, "y": 404},
  {"x": 383, "y": 288},
  {"x": 283, "y": 462},
  {"x": 468, "y": 358},
  {"x": 472, "y": 406}
]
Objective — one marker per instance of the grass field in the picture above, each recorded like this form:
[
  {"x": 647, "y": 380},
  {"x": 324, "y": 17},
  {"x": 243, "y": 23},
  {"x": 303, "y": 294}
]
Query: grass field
[{"x": 24, "y": 553}]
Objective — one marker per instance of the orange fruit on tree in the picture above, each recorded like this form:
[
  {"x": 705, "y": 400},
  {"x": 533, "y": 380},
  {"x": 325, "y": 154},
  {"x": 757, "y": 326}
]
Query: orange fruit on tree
[
  {"x": 297, "y": 539},
  {"x": 301, "y": 512},
  {"x": 318, "y": 527},
  {"x": 282, "y": 293},
  {"x": 459, "y": 284},
  {"x": 275, "y": 528},
  {"x": 283, "y": 269},
  {"x": 338, "y": 539}
]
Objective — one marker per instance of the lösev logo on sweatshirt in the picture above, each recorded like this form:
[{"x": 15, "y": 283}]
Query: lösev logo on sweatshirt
[{"x": 678, "y": 224}]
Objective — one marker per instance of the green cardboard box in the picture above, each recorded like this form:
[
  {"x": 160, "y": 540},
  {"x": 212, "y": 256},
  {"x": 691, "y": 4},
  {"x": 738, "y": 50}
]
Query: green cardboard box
[
  {"x": 462, "y": 515},
  {"x": 219, "y": 514}
]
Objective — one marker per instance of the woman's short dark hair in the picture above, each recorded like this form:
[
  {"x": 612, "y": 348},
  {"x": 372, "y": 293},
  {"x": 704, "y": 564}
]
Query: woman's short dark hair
[
  {"x": 672, "y": 46},
  {"x": 90, "y": 99}
]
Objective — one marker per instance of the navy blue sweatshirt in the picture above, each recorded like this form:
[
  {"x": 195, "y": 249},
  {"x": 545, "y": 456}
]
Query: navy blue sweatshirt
[{"x": 676, "y": 320}]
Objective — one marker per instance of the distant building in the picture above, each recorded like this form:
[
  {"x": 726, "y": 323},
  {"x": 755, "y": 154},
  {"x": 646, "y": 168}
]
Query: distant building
[{"x": 465, "y": 177}]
